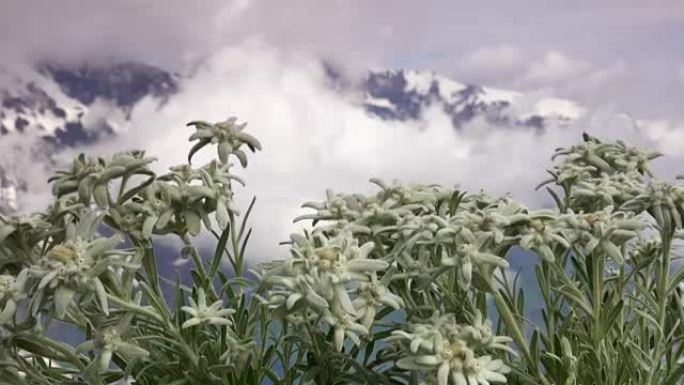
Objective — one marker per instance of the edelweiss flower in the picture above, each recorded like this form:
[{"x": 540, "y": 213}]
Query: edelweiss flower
[
  {"x": 335, "y": 207},
  {"x": 109, "y": 341},
  {"x": 155, "y": 205},
  {"x": 74, "y": 266},
  {"x": 447, "y": 352},
  {"x": 481, "y": 331},
  {"x": 567, "y": 174},
  {"x": 319, "y": 276},
  {"x": 589, "y": 153},
  {"x": 332, "y": 263},
  {"x": 90, "y": 177},
  {"x": 128, "y": 218},
  {"x": 609, "y": 189},
  {"x": 22, "y": 226},
  {"x": 630, "y": 159},
  {"x": 229, "y": 137},
  {"x": 663, "y": 201},
  {"x": 237, "y": 351},
  {"x": 540, "y": 236},
  {"x": 343, "y": 325},
  {"x": 373, "y": 294},
  {"x": 603, "y": 229},
  {"x": 201, "y": 313},
  {"x": 11, "y": 292},
  {"x": 216, "y": 187},
  {"x": 467, "y": 257},
  {"x": 414, "y": 196}
]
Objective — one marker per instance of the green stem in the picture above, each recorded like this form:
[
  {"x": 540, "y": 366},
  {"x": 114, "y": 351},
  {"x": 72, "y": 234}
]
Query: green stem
[
  {"x": 136, "y": 309},
  {"x": 154, "y": 316},
  {"x": 63, "y": 350},
  {"x": 199, "y": 266},
  {"x": 517, "y": 335},
  {"x": 662, "y": 284},
  {"x": 235, "y": 242},
  {"x": 597, "y": 286},
  {"x": 122, "y": 187},
  {"x": 317, "y": 353}
]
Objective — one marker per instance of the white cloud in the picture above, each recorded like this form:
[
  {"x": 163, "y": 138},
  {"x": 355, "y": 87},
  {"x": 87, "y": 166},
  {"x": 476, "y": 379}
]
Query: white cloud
[
  {"x": 608, "y": 74},
  {"x": 491, "y": 61},
  {"x": 668, "y": 135},
  {"x": 315, "y": 138},
  {"x": 558, "y": 75},
  {"x": 555, "y": 66},
  {"x": 23, "y": 157}
]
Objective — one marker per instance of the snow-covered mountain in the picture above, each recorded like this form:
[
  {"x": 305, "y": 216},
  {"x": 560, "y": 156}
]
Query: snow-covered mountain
[
  {"x": 403, "y": 95},
  {"x": 68, "y": 106}
]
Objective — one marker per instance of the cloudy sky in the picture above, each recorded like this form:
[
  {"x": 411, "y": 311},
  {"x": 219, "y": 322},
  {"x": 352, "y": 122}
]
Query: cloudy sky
[{"x": 261, "y": 60}]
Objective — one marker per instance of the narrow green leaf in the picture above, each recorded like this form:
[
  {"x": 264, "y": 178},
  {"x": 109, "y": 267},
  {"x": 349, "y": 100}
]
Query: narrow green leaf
[{"x": 218, "y": 253}]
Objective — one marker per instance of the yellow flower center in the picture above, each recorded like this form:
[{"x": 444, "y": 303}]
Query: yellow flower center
[
  {"x": 328, "y": 254},
  {"x": 458, "y": 353},
  {"x": 6, "y": 283},
  {"x": 110, "y": 337},
  {"x": 538, "y": 225},
  {"x": 63, "y": 254}
]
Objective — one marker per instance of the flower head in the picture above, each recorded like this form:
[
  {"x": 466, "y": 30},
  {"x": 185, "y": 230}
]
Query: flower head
[
  {"x": 228, "y": 135},
  {"x": 75, "y": 265},
  {"x": 11, "y": 292},
  {"x": 451, "y": 353},
  {"x": 200, "y": 313},
  {"x": 110, "y": 340}
]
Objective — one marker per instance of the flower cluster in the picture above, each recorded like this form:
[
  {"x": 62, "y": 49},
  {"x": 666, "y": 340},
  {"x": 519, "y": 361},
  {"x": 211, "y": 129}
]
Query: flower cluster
[
  {"x": 608, "y": 157},
  {"x": 177, "y": 202},
  {"x": 597, "y": 174},
  {"x": 74, "y": 266},
  {"x": 451, "y": 353},
  {"x": 110, "y": 340},
  {"x": 11, "y": 292},
  {"x": 91, "y": 177},
  {"x": 203, "y": 314},
  {"x": 320, "y": 276},
  {"x": 606, "y": 230},
  {"x": 228, "y": 135}
]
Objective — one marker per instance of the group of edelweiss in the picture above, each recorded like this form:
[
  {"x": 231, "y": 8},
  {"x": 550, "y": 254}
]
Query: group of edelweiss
[{"x": 423, "y": 254}]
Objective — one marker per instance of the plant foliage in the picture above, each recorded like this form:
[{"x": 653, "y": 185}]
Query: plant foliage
[{"x": 407, "y": 286}]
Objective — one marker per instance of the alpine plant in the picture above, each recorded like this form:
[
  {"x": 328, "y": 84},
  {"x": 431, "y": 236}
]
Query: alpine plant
[{"x": 410, "y": 285}]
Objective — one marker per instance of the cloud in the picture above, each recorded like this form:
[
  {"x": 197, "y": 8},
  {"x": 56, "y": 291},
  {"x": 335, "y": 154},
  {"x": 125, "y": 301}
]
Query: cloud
[
  {"x": 82, "y": 30},
  {"x": 554, "y": 67},
  {"x": 315, "y": 138},
  {"x": 669, "y": 135},
  {"x": 493, "y": 61},
  {"x": 24, "y": 162},
  {"x": 555, "y": 74}
]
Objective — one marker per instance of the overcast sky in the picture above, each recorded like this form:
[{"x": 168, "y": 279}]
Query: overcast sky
[
  {"x": 260, "y": 60},
  {"x": 630, "y": 51}
]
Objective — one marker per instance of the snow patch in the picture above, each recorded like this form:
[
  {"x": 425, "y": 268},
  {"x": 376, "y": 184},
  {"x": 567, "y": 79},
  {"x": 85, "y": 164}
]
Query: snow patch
[
  {"x": 380, "y": 102},
  {"x": 419, "y": 82},
  {"x": 448, "y": 89},
  {"x": 560, "y": 108},
  {"x": 493, "y": 95}
]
